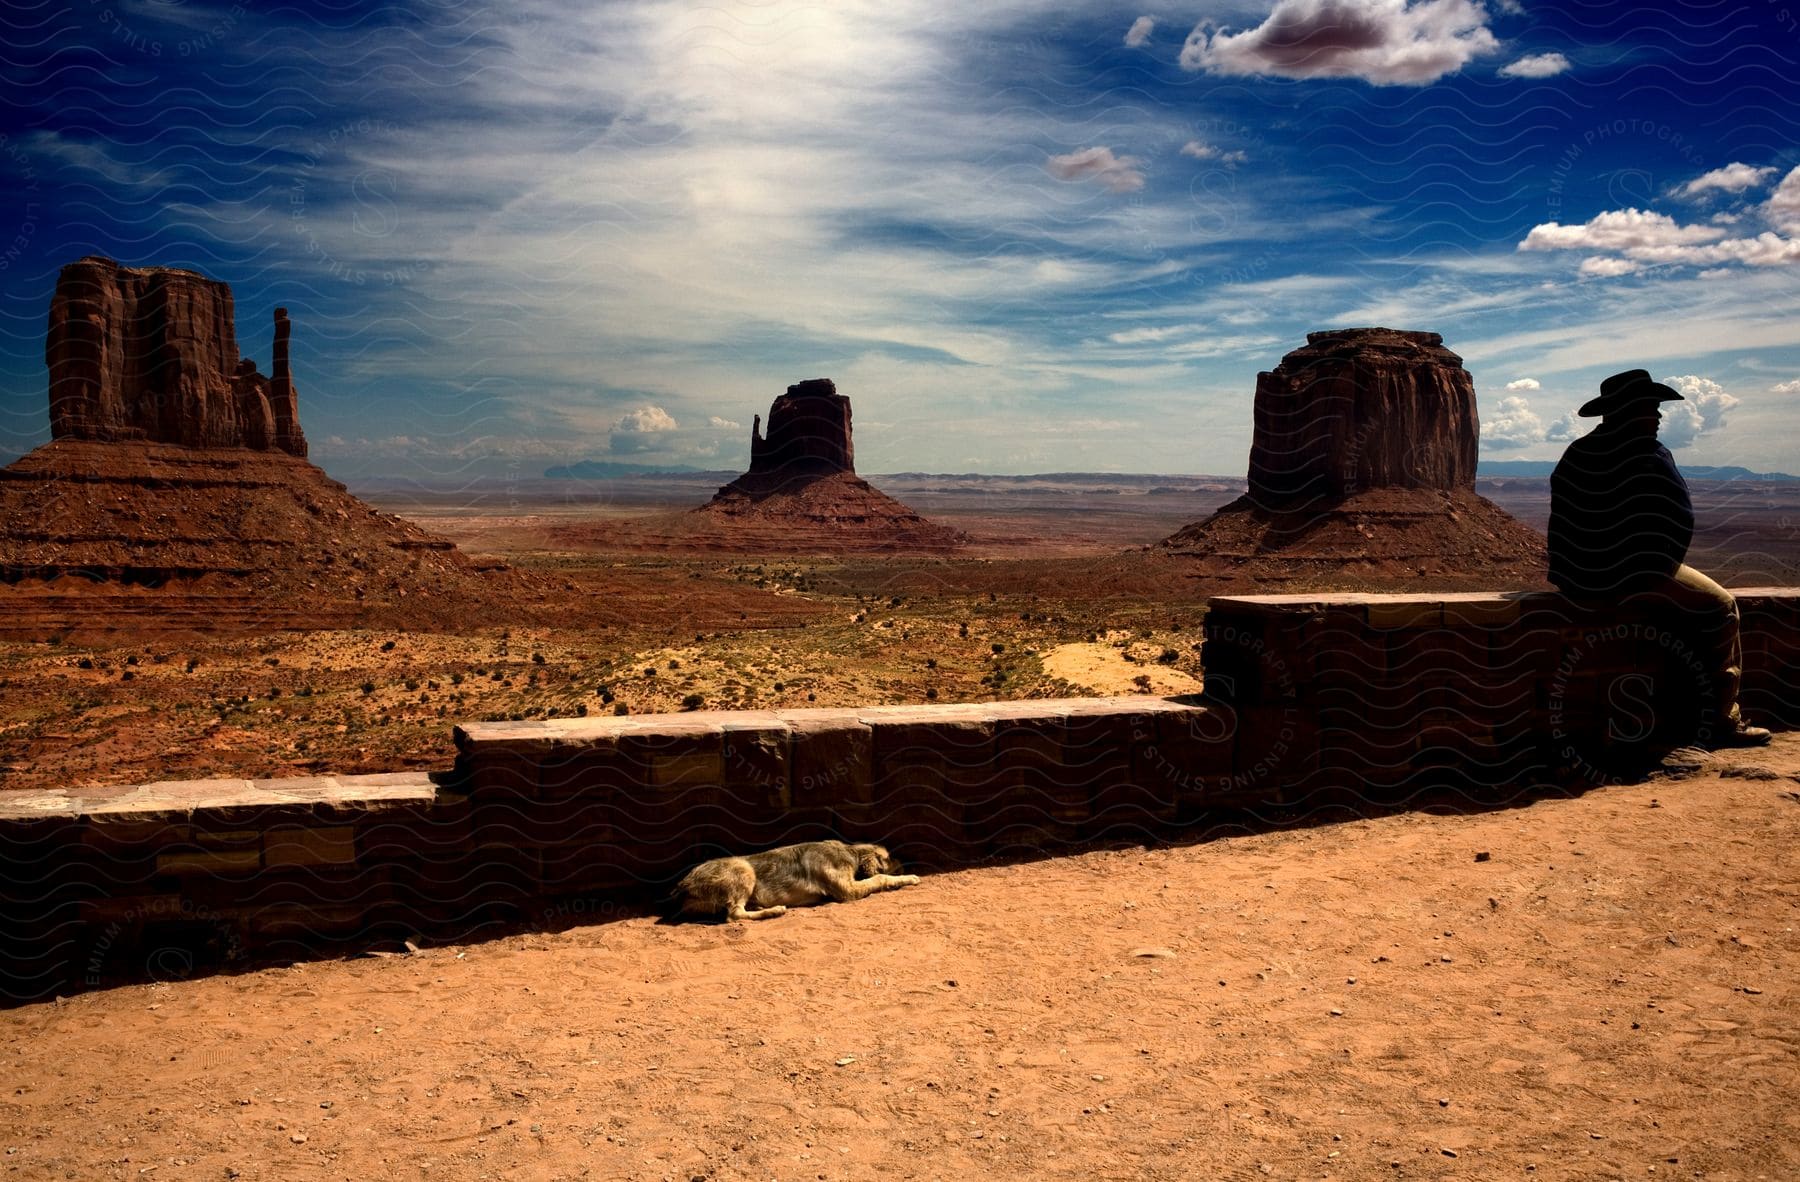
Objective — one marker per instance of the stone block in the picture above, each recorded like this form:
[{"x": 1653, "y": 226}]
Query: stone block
[
  {"x": 292, "y": 845},
  {"x": 1391, "y": 612},
  {"x": 236, "y": 862},
  {"x": 756, "y": 768},
  {"x": 1189, "y": 755},
  {"x": 831, "y": 761},
  {"x": 1481, "y": 610}
]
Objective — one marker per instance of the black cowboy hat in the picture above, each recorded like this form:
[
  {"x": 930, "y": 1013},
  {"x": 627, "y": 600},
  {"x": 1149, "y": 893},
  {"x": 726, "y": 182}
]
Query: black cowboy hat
[{"x": 1623, "y": 389}]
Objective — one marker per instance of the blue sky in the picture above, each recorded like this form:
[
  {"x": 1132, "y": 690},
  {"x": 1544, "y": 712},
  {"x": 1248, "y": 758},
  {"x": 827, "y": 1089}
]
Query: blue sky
[{"x": 1021, "y": 238}]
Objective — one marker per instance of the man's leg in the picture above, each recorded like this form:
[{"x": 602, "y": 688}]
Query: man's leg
[{"x": 1701, "y": 609}]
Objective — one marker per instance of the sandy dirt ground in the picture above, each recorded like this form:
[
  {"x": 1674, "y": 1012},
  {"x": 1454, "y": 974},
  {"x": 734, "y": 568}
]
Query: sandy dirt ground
[
  {"x": 1609, "y": 993},
  {"x": 1118, "y": 667}
]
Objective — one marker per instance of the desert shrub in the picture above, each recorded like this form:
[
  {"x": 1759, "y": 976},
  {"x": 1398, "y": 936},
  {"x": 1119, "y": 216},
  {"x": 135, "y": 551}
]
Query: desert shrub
[
  {"x": 412, "y": 685},
  {"x": 387, "y": 646},
  {"x": 368, "y": 687},
  {"x": 962, "y": 630},
  {"x": 931, "y": 695},
  {"x": 537, "y": 658},
  {"x": 131, "y": 660},
  {"x": 621, "y": 708},
  {"x": 85, "y": 663},
  {"x": 193, "y": 664},
  {"x": 693, "y": 702},
  {"x": 997, "y": 647},
  {"x": 779, "y": 687},
  {"x": 1142, "y": 681},
  {"x": 456, "y": 679},
  {"x": 581, "y": 709},
  {"x": 1168, "y": 656}
]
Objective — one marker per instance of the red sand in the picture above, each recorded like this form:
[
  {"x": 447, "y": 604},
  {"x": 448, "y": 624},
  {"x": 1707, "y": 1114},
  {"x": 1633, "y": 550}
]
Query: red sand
[{"x": 1612, "y": 994}]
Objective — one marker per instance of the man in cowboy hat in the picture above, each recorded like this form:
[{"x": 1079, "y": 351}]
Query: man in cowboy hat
[{"x": 1620, "y": 524}]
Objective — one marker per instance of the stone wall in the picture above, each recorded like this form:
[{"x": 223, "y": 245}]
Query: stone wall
[{"x": 1341, "y": 701}]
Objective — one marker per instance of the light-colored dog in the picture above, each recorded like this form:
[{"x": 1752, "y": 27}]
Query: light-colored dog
[{"x": 791, "y": 876}]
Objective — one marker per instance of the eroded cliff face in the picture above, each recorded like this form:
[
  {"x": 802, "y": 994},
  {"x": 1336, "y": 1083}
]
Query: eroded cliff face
[
  {"x": 809, "y": 433},
  {"x": 1363, "y": 408},
  {"x": 150, "y": 353}
]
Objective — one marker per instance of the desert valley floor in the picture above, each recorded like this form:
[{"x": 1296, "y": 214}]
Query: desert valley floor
[{"x": 1060, "y": 592}]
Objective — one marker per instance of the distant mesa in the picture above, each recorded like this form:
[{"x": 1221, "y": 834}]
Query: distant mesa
[
  {"x": 175, "y": 494},
  {"x": 1362, "y": 472},
  {"x": 802, "y": 492}
]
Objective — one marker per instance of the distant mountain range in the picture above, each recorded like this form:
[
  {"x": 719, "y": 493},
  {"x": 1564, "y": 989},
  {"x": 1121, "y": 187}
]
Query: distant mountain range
[
  {"x": 1691, "y": 471},
  {"x": 614, "y": 469},
  {"x": 611, "y": 469}
]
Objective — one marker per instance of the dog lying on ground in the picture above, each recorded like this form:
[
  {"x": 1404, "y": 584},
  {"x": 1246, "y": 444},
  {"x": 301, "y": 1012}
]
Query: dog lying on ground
[{"x": 791, "y": 876}]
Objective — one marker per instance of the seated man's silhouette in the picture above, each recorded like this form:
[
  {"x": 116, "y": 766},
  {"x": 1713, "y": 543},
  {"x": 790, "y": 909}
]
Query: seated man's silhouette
[{"x": 1620, "y": 524}]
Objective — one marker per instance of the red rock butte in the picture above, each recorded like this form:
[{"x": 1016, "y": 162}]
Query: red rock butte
[
  {"x": 174, "y": 492},
  {"x": 801, "y": 493},
  {"x": 150, "y": 353},
  {"x": 1362, "y": 472}
]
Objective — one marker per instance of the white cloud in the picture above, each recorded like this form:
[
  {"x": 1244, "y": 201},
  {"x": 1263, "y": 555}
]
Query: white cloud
[
  {"x": 723, "y": 424},
  {"x": 1139, "y": 33},
  {"x": 1563, "y": 428},
  {"x": 1512, "y": 425},
  {"x": 1783, "y": 209},
  {"x": 1704, "y": 411},
  {"x": 1536, "y": 65},
  {"x": 1382, "y": 42},
  {"x": 1200, "y": 151},
  {"x": 1524, "y": 384},
  {"x": 1646, "y": 237},
  {"x": 1605, "y": 268},
  {"x": 1118, "y": 173},
  {"x": 1792, "y": 387},
  {"x": 646, "y": 421},
  {"x": 1620, "y": 230},
  {"x": 1733, "y": 178}
]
